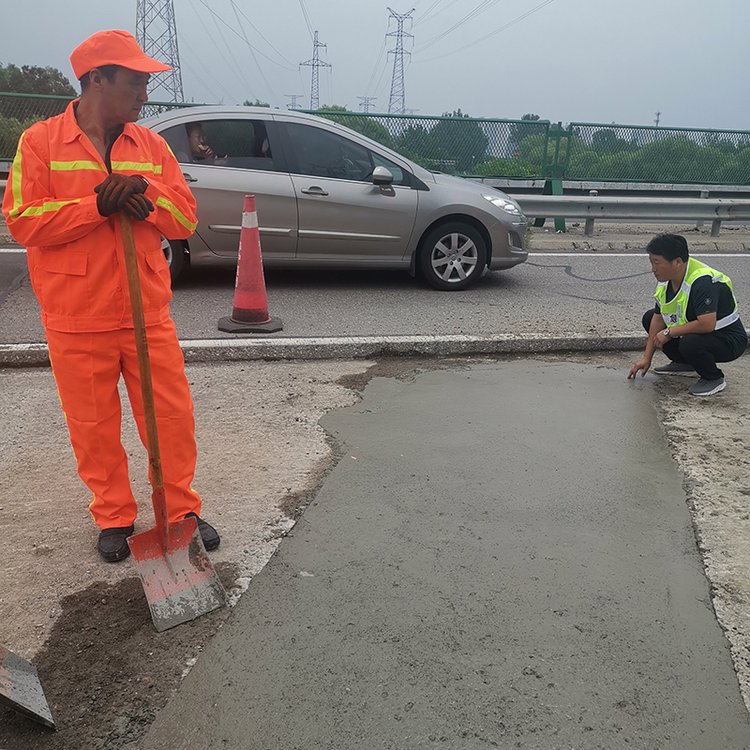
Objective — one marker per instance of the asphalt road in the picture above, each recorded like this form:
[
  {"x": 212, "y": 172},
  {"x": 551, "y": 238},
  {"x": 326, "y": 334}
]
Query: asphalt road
[
  {"x": 462, "y": 580},
  {"x": 550, "y": 294}
]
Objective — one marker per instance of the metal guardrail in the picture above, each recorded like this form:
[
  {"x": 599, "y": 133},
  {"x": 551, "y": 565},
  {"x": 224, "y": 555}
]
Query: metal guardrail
[{"x": 590, "y": 208}]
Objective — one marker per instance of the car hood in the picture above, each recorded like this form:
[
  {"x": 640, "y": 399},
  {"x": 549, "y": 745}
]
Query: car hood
[{"x": 463, "y": 183}]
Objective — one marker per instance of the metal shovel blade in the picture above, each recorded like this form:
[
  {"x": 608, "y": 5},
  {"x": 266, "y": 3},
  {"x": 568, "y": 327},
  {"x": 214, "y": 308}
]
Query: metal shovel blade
[
  {"x": 180, "y": 583},
  {"x": 20, "y": 688}
]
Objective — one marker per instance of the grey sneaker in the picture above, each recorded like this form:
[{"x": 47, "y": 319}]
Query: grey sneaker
[
  {"x": 707, "y": 387},
  {"x": 675, "y": 368}
]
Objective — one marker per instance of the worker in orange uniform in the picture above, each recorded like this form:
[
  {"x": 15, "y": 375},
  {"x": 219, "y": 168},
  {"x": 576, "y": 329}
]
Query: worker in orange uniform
[{"x": 71, "y": 177}]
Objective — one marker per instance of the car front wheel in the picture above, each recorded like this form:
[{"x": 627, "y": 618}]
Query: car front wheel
[{"x": 453, "y": 256}]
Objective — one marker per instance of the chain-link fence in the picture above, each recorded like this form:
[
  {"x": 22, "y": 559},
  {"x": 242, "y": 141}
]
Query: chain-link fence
[
  {"x": 18, "y": 111},
  {"x": 623, "y": 153},
  {"x": 458, "y": 145},
  {"x": 533, "y": 149}
]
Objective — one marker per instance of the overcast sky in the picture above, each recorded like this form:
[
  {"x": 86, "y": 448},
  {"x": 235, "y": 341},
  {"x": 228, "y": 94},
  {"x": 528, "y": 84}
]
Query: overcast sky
[{"x": 583, "y": 60}]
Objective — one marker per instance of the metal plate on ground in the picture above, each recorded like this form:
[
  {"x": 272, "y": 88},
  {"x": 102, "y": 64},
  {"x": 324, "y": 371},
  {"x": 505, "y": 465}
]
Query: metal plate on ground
[{"x": 21, "y": 689}]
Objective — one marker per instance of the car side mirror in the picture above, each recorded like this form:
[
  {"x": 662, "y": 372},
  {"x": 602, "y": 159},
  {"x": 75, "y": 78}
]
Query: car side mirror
[{"x": 382, "y": 176}]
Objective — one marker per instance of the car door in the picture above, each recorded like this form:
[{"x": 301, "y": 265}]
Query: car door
[
  {"x": 342, "y": 215},
  {"x": 240, "y": 155}
]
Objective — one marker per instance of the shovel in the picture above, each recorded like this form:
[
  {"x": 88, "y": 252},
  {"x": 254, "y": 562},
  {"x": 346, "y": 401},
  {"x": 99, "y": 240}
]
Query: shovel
[
  {"x": 178, "y": 578},
  {"x": 20, "y": 688}
]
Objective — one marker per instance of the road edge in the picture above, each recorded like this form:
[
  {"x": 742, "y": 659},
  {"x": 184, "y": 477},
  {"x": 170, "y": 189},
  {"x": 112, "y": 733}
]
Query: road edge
[{"x": 359, "y": 347}]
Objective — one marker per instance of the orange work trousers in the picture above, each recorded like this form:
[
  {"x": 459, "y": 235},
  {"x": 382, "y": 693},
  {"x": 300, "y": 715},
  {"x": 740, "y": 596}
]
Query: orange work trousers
[{"x": 87, "y": 368}]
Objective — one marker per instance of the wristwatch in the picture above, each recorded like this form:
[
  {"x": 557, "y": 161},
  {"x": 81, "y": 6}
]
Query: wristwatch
[{"x": 666, "y": 332}]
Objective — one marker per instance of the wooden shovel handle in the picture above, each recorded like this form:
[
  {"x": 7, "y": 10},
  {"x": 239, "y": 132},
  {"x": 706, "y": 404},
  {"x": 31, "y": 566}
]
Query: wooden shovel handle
[{"x": 144, "y": 366}]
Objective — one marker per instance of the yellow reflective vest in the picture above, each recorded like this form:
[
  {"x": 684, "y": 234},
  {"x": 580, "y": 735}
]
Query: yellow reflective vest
[{"x": 674, "y": 312}]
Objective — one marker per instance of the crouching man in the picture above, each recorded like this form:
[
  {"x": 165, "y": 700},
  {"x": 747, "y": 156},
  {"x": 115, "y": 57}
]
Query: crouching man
[{"x": 696, "y": 320}]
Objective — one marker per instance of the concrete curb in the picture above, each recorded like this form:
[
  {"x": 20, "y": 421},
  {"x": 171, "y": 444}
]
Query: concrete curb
[{"x": 360, "y": 347}]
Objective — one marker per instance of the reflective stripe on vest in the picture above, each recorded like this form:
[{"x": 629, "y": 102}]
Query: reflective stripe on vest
[{"x": 674, "y": 312}]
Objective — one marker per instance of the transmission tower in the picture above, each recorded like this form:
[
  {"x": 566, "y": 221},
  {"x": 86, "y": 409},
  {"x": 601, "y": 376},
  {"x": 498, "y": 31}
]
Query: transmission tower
[
  {"x": 365, "y": 102},
  {"x": 397, "y": 101},
  {"x": 316, "y": 64},
  {"x": 156, "y": 32},
  {"x": 293, "y": 103}
]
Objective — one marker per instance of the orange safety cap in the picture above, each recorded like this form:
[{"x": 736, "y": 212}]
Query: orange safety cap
[{"x": 113, "y": 47}]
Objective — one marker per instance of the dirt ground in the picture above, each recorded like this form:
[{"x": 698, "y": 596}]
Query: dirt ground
[{"x": 85, "y": 624}]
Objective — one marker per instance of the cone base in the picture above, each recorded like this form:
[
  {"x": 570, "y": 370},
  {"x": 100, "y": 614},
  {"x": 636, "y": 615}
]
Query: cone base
[{"x": 233, "y": 326}]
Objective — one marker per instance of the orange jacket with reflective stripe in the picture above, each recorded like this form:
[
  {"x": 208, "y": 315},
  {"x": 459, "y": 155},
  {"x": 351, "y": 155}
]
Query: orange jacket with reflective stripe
[{"x": 75, "y": 256}]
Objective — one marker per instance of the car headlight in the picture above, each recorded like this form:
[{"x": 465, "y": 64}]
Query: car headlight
[{"x": 510, "y": 207}]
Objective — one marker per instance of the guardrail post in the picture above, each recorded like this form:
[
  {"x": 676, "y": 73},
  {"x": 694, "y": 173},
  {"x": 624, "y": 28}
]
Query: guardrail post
[
  {"x": 589, "y": 227},
  {"x": 715, "y": 227},
  {"x": 704, "y": 194}
]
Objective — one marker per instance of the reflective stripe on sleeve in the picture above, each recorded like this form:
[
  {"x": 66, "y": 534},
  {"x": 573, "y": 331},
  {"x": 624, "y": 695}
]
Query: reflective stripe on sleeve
[
  {"x": 181, "y": 218},
  {"x": 16, "y": 181},
  {"x": 48, "y": 207}
]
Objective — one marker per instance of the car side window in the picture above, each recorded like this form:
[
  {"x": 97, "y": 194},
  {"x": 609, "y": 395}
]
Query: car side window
[
  {"x": 320, "y": 153},
  {"x": 243, "y": 144}
]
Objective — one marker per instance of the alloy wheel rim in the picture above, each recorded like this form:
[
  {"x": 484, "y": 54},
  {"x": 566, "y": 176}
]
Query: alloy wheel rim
[{"x": 454, "y": 258}]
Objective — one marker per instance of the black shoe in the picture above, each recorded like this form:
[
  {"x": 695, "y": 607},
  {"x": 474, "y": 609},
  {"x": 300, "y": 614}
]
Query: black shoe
[
  {"x": 707, "y": 387},
  {"x": 113, "y": 543},
  {"x": 209, "y": 535},
  {"x": 675, "y": 368}
]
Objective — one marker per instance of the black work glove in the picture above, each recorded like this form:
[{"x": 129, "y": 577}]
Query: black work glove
[
  {"x": 138, "y": 207},
  {"x": 114, "y": 192}
]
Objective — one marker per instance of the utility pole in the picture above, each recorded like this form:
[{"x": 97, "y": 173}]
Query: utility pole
[
  {"x": 658, "y": 117},
  {"x": 156, "y": 32},
  {"x": 293, "y": 103},
  {"x": 316, "y": 64},
  {"x": 397, "y": 100},
  {"x": 365, "y": 102}
]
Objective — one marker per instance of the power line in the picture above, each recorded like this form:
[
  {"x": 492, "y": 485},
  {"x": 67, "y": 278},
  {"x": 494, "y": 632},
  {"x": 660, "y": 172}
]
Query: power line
[
  {"x": 377, "y": 64},
  {"x": 234, "y": 31},
  {"x": 252, "y": 51},
  {"x": 260, "y": 34},
  {"x": 484, "y": 5},
  {"x": 307, "y": 18},
  {"x": 426, "y": 15},
  {"x": 220, "y": 47},
  {"x": 239, "y": 69},
  {"x": 516, "y": 20}
]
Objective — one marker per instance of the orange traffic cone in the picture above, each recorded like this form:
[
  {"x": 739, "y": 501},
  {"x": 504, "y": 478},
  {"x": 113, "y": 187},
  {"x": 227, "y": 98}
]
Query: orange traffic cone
[{"x": 250, "y": 311}]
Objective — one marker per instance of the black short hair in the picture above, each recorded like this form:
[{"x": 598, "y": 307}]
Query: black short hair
[
  {"x": 108, "y": 71},
  {"x": 669, "y": 246}
]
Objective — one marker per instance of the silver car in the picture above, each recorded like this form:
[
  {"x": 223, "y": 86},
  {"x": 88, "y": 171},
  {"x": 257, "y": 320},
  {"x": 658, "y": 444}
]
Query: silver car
[{"x": 329, "y": 197}]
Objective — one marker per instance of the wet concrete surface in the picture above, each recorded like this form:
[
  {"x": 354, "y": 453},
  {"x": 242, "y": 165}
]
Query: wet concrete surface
[{"x": 503, "y": 557}]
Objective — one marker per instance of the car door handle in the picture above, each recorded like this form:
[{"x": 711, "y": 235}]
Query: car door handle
[
  {"x": 189, "y": 178},
  {"x": 314, "y": 190}
]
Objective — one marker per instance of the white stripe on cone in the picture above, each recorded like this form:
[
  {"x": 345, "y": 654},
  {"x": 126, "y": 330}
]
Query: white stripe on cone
[{"x": 250, "y": 220}]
